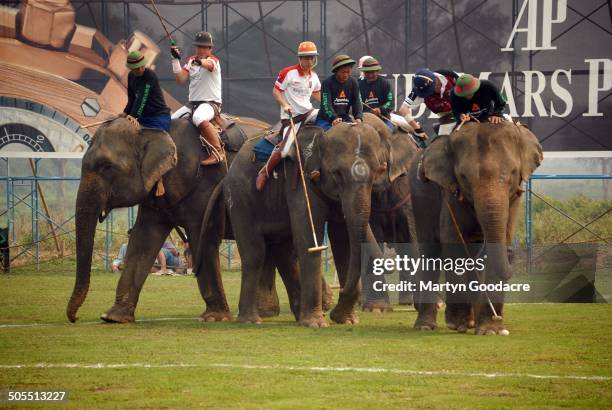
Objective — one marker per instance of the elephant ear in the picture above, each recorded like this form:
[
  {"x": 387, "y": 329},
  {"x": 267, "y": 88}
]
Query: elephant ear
[
  {"x": 401, "y": 153},
  {"x": 531, "y": 152},
  {"x": 309, "y": 138},
  {"x": 438, "y": 164},
  {"x": 157, "y": 155}
]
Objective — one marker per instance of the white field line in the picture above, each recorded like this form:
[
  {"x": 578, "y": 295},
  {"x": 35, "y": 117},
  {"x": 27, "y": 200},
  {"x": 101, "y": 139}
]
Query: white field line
[
  {"x": 92, "y": 322},
  {"x": 443, "y": 373}
]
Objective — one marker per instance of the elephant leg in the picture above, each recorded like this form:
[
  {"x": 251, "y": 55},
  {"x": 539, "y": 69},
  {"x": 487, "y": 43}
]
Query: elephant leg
[
  {"x": 425, "y": 300},
  {"x": 458, "y": 306},
  {"x": 287, "y": 264},
  {"x": 311, "y": 311},
  {"x": 485, "y": 323},
  {"x": 328, "y": 295},
  {"x": 339, "y": 240},
  {"x": 253, "y": 259},
  {"x": 373, "y": 300},
  {"x": 344, "y": 312},
  {"x": 207, "y": 269},
  {"x": 210, "y": 284},
  {"x": 267, "y": 298},
  {"x": 146, "y": 239}
]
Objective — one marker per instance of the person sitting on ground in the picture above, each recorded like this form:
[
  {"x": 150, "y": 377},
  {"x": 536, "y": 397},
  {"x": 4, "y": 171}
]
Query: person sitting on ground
[
  {"x": 340, "y": 95},
  {"x": 477, "y": 99},
  {"x": 118, "y": 262},
  {"x": 204, "y": 74},
  {"x": 168, "y": 258},
  {"x": 434, "y": 89},
  {"x": 146, "y": 105},
  {"x": 292, "y": 91},
  {"x": 188, "y": 257},
  {"x": 375, "y": 91}
]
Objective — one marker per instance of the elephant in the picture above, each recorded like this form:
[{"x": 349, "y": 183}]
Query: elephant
[
  {"x": 341, "y": 168},
  {"x": 389, "y": 221},
  {"x": 119, "y": 169},
  {"x": 465, "y": 192}
]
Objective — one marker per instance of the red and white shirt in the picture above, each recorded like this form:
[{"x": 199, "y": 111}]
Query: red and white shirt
[
  {"x": 297, "y": 88},
  {"x": 204, "y": 85}
]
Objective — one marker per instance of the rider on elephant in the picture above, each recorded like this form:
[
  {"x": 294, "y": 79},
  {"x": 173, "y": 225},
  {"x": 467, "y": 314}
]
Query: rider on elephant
[
  {"x": 292, "y": 91},
  {"x": 146, "y": 105},
  {"x": 477, "y": 99},
  {"x": 204, "y": 74},
  {"x": 434, "y": 89},
  {"x": 375, "y": 91},
  {"x": 340, "y": 95}
]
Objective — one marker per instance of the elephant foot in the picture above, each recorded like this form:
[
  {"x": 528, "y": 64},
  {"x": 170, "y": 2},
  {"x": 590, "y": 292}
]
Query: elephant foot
[
  {"x": 425, "y": 326},
  {"x": 377, "y": 307},
  {"x": 457, "y": 317},
  {"x": 460, "y": 328},
  {"x": 315, "y": 321},
  {"x": 327, "y": 298},
  {"x": 216, "y": 316},
  {"x": 344, "y": 316},
  {"x": 269, "y": 311},
  {"x": 426, "y": 322},
  {"x": 249, "y": 318},
  {"x": 492, "y": 327},
  {"x": 406, "y": 298},
  {"x": 118, "y": 314}
]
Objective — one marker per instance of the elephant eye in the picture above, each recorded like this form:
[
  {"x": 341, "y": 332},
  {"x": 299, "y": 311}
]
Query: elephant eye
[{"x": 105, "y": 167}]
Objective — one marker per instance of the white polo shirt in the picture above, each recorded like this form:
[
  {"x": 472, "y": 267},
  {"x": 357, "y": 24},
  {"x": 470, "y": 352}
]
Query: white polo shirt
[
  {"x": 297, "y": 88},
  {"x": 204, "y": 85}
]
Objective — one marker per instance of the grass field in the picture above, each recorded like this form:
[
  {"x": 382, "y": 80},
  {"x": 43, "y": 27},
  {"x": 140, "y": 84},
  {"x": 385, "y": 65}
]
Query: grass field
[{"x": 556, "y": 355}]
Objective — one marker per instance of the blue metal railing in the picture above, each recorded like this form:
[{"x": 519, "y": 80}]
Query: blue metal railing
[{"x": 529, "y": 201}]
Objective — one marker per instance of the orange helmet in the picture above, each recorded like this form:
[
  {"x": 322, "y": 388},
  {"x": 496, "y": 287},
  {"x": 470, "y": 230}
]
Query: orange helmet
[{"x": 307, "y": 48}]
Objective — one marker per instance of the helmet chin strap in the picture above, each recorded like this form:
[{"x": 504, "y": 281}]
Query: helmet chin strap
[{"x": 316, "y": 61}]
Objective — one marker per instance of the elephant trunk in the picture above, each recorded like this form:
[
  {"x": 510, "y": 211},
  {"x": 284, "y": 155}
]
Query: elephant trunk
[
  {"x": 492, "y": 210},
  {"x": 89, "y": 206},
  {"x": 356, "y": 207}
]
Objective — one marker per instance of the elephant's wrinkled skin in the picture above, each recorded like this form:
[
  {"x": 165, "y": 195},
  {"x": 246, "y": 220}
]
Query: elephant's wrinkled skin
[
  {"x": 120, "y": 169},
  {"x": 391, "y": 210},
  {"x": 351, "y": 160},
  {"x": 473, "y": 176}
]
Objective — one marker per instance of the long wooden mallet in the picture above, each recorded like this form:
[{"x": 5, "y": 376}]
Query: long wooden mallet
[
  {"x": 95, "y": 124},
  {"x": 161, "y": 20},
  {"x": 315, "y": 248}
]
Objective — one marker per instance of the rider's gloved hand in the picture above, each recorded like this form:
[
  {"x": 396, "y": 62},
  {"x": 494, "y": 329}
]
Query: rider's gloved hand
[
  {"x": 421, "y": 134},
  {"x": 176, "y": 53}
]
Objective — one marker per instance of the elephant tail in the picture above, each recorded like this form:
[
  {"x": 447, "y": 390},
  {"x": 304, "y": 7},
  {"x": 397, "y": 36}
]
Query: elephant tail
[
  {"x": 212, "y": 228},
  {"x": 214, "y": 207}
]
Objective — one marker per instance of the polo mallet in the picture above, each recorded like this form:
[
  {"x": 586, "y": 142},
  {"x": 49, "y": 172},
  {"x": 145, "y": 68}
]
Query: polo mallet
[
  {"x": 315, "y": 248},
  {"x": 161, "y": 20},
  {"x": 495, "y": 316},
  {"x": 381, "y": 115},
  {"x": 95, "y": 124}
]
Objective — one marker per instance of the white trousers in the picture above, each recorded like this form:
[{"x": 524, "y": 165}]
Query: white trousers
[{"x": 204, "y": 112}]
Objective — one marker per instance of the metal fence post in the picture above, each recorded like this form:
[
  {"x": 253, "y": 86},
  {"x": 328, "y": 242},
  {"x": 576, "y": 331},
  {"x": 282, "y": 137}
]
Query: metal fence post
[{"x": 528, "y": 225}]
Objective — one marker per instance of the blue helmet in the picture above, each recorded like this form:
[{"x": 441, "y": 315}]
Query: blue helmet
[{"x": 424, "y": 82}]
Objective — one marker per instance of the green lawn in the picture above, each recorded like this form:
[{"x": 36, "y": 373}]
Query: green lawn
[{"x": 381, "y": 362}]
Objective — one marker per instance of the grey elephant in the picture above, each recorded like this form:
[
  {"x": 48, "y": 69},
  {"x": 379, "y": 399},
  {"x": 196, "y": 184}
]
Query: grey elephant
[
  {"x": 341, "y": 166},
  {"x": 389, "y": 220},
  {"x": 465, "y": 192},
  {"x": 119, "y": 169}
]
